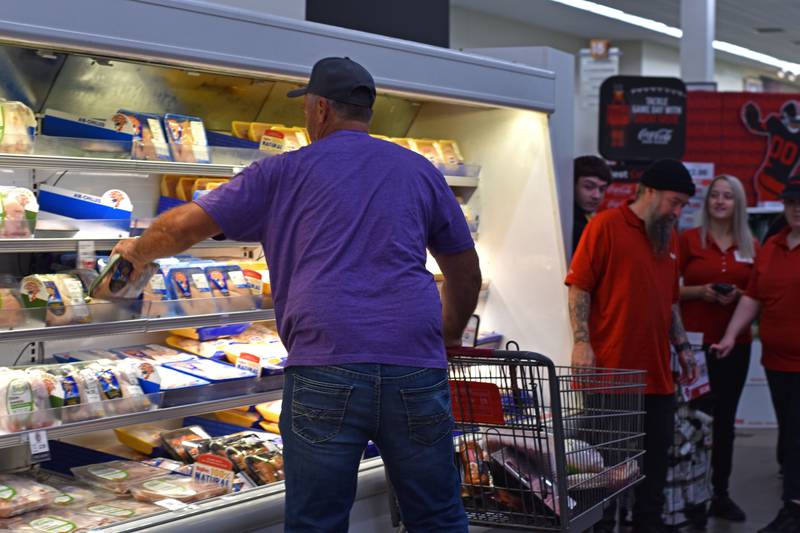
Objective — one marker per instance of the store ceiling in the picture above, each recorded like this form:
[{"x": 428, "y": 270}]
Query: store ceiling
[{"x": 737, "y": 21}]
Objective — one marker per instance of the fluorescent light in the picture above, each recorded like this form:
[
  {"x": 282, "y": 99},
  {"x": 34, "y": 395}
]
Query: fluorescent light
[{"x": 672, "y": 31}]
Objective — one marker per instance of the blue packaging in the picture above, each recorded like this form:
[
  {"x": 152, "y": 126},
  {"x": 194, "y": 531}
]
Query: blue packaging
[{"x": 210, "y": 370}]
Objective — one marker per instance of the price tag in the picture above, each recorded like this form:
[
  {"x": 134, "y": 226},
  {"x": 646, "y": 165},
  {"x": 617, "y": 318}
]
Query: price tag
[
  {"x": 172, "y": 504},
  {"x": 40, "y": 448},
  {"x": 86, "y": 255}
]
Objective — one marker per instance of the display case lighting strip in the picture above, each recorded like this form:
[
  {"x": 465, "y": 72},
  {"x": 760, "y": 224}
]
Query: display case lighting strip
[{"x": 672, "y": 31}]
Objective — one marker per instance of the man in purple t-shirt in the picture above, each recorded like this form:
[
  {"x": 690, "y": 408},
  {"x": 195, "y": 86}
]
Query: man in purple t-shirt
[{"x": 345, "y": 224}]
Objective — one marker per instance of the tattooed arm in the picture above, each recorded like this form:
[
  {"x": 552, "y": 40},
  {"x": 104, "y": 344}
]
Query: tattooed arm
[
  {"x": 678, "y": 338},
  {"x": 580, "y": 303}
]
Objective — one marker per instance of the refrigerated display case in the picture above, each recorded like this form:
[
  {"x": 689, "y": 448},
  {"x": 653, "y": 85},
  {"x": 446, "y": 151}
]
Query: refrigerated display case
[{"x": 91, "y": 58}]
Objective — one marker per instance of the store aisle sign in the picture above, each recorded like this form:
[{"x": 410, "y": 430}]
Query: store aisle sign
[{"x": 642, "y": 118}]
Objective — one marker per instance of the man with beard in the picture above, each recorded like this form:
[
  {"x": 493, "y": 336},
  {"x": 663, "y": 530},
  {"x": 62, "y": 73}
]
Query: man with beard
[{"x": 623, "y": 302}]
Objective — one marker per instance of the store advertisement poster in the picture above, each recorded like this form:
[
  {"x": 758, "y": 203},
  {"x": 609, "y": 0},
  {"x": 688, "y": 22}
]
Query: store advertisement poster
[
  {"x": 642, "y": 118},
  {"x": 754, "y": 137}
]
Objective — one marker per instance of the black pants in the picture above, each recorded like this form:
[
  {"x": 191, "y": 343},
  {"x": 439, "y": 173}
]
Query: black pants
[
  {"x": 784, "y": 387},
  {"x": 727, "y": 377},
  {"x": 659, "y": 428}
]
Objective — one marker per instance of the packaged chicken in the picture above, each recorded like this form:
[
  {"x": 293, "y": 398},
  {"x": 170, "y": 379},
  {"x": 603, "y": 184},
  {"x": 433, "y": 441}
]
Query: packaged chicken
[
  {"x": 114, "y": 281},
  {"x": 71, "y": 496},
  {"x": 265, "y": 468},
  {"x": 12, "y": 313},
  {"x": 293, "y": 138},
  {"x": 156, "y": 296},
  {"x": 257, "y": 333},
  {"x": 169, "y": 185},
  {"x": 142, "y": 438},
  {"x": 261, "y": 358},
  {"x": 60, "y": 295},
  {"x": 450, "y": 153},
  {"x": 149, "y": 139},
  {"x": 404, "y": 142},
  {"x": 120, "y": 389},
  {"x": 153, "y": 353},
  {"x": 54, "y": 521},
  {"x": 256, "y": 130},
  {"x": 17, "y": 403},
  {"x": 208, "y": 349},
  {"x": 270, "y": 410},
  {"x": 20, "y": 495},
  {"x": 239, "y": 129},
  {"x": 237, "y": 417},
  {"x": 82, "y": 399},
  {"x": 174, "y": 442},
  {"x": 134, "y": 399},
  {"x": 187, "y": 138},
  {"x": 117, "y": 476},
  {"x": 180, "y": 488},
  {"x": 228, "y": 281},
  {"x": 190, "y": 286},
  {"x": 210, "y": 370},
  {"x": 17, "y": 127},
  {"x": 45, "y": 390},
  {"x": 18, "y": 212},
  {"x": 118, "y": 510}
]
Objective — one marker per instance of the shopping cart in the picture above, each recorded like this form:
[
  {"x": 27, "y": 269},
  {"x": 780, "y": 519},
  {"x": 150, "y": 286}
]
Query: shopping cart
[{"x": 541, "y": 447}]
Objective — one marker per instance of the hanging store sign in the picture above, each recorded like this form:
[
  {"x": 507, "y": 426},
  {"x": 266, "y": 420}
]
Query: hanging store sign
[{"x": 642, "y": 119}]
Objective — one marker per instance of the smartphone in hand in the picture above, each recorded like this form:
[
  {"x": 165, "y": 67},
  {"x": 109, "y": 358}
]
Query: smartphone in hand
[{"x": 722, "y": 288}]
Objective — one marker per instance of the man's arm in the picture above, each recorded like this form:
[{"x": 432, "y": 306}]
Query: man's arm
[
  {"x": 678, "y": 338},
  {"x": 580, "y": 304},
  {"x": 462, "y": 283},
  {"x": 173, "y": 232},
  {"x": 677, "y": 333}
]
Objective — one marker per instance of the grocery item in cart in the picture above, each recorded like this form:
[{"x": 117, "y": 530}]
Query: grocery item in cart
[
  {"x": 60, "y": 294},
  {"x": 18, "y": 213},
  {"x": 181, "y": 488},
  {"x": 475, "y": 462},
  {"x": 20, "y": 495},
  {"x": 114, "y": 281},
  {"x": 117, "y": 476},
  {"x": 175, "y": 442},
  {"x": 190, "y": 287},
  {"x": 614, "y": 478},
  {"x": 581, "y": 457},
  {"x": 187, "y": 138},
  {"x": 17, "y": 127}
]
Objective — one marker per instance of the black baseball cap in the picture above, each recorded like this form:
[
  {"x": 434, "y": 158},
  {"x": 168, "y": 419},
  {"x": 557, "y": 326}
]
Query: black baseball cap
[
  {"x": 792, "y": 189},
  {"x": 340, "y": 79}
]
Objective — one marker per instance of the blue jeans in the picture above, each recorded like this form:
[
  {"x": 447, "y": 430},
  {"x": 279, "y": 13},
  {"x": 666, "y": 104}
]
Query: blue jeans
[{"x": 330, "y": 412}]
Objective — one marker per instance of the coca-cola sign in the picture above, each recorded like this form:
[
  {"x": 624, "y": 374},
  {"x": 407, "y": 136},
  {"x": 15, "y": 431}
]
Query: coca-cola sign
[{"x": 642, "y": 119}]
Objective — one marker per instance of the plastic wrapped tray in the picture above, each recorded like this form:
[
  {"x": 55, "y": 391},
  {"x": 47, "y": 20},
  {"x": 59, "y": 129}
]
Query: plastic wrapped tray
[
  {"x": 117, "y": 476},
  {"x": 180, "y": 488}
]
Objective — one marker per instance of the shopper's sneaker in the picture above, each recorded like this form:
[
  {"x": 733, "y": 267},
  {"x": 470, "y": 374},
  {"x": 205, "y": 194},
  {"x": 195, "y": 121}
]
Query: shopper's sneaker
[
  {"x": 723, "y": 507},
  {"x": 787, "y": 521}
]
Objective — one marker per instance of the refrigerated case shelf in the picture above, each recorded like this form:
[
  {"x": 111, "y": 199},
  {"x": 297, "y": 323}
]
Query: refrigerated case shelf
[
  {"x": 199, "y": 408},
  {"x": 461, "y": 181},
  {"x": 71, "y": 244},
  {"x": 128, "y": 166},
  {"x": 133, "y": 326}
]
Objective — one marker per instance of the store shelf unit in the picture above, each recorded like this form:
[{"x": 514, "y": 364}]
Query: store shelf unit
[
  {"x": 110, "y": 422},
  {"x": 71, "y": 244},
  {"x": 461, "y": 181}
]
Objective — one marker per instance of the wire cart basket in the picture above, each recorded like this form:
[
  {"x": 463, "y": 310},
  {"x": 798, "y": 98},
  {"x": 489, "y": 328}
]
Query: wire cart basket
[{"x": 541, "y": 447}]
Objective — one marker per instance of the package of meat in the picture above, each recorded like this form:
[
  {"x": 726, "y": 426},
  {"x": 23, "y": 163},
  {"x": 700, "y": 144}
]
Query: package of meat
[
  {"x": 208, "y": 349},
  {"x": 238, "y": 452},
  {"x": 91, "y": 394},
  {"x": 229, "y": 282},
  {"x": 17, "y": 403},
  {"x": 45, "y": 391},
  {"x": 154, "y": 353},
  {"x": 114, "y": 282},
  {"x": 18, "y": 212},
  {"x": 20, "y": 495},
  {"x": 156, "y": 296},
  {"x": 12, "y": 313},
  {"x": 180, "y": 488},
  {"x": 187, "y": 138},
  {"x": 210, "y": 370},
  {"x": 17, "y": 128},
  {"x": 191, "y": 288},
  {"x": 149, "y": 139},
  {"x": 265, "y": 468},
  {"x": 175, "y": 442},
  {"x": 60, "y": 294},
  {"x": 428, "y": 148},
  {"x": 133, "y": 396},
  {"x": 118, "y": 510},
  {"x": 117, "y": 476},
  {"x": 53, "y": 521},
  {"x": 257, "y": 333},
  {"x": 450, "y": 153},
  {"x": 72, "y": 496}
]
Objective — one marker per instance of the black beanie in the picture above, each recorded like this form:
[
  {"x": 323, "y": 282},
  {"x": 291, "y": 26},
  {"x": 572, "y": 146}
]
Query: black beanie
[{"x": 668, "y": 175}]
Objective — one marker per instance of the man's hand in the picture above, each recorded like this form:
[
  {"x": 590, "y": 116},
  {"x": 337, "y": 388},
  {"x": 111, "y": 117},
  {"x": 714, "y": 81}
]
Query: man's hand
[
  {"x": 127, "y": 249},
  {"x": 688, "y": 365},
  {"x": 452, "y": 342},
  {"x": 583, "y": 355}
]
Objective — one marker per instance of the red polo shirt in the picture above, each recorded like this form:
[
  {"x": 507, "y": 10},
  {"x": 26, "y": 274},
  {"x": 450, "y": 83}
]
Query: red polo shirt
[
  {"x": 632, "y": 293},
  {"x": 708, "y": 264},
  {"x": 775, "y": 283}
]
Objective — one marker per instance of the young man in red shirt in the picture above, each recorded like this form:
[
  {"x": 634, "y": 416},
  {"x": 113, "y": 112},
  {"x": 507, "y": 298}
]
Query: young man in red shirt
[{"x": 623, "y": 300}]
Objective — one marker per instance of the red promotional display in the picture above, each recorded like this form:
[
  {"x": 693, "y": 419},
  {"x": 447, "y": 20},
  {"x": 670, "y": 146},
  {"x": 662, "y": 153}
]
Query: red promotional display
[{"x": 755, "y": 137}]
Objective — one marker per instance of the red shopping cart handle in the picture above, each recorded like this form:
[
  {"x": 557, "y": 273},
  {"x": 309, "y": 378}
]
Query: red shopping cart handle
[{"x": 464, "y": 351}]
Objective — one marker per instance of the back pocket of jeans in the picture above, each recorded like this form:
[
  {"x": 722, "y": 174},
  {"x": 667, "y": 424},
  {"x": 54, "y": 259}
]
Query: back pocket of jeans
[
  {"x": 318, "y": 409},
  {"x": 428, "y": 412}
]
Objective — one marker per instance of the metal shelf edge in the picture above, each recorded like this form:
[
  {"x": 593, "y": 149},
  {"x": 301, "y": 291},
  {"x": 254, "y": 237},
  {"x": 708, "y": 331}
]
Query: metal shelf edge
[
  {"x": 117, "y": 165},
  {"x": 78, "y": 428},
  {"x": 138, "y": 325},
  {"x": 70, "y": 244},
  {"x": 461, "y": 181}
]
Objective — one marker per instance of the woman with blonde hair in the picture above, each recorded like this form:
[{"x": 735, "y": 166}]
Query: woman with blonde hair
[{"x": 716, "y": 261}]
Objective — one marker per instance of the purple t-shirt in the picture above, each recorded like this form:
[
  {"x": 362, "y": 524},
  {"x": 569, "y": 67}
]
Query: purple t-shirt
[{"x": 344, "y": 223}]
